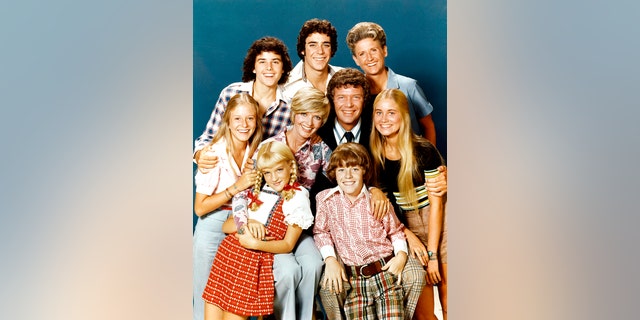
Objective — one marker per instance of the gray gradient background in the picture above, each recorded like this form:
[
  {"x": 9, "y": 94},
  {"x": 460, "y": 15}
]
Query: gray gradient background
[{"x": 95, "y": 124}]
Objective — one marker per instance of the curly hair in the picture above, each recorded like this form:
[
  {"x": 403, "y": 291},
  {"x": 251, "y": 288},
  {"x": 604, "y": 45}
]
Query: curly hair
[
  {"x": 350, "y": 154},
  {"x": 266, "y": 44},
  {"x": 363, "y": 30},
  {"x": 270, "y": 154},
  {"x": 317, "y": 26},
  {"x": 347, "y": 77}
]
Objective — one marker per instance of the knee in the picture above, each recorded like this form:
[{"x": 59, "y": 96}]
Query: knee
[{"x": 289, "y": 273}]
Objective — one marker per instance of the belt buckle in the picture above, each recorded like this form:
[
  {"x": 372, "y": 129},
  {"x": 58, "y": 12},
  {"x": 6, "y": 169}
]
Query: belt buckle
[{"x": 361, "y": 272}]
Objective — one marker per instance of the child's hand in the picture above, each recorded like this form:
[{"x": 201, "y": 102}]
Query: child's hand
[
  {"x": 396, "y": 265},
  {"x": 247, "y": 240},
  {"x": 246, "y": 180},
  {"x": 333, "y": 275},
  {"x": 256, "y": 229}
]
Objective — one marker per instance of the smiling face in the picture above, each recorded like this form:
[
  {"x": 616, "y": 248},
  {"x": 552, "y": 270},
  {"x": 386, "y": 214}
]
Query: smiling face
[
  {"x": 350, "y": 180},
  {"x": 307, "y": 123},
  {"x": 369, "y": 56},
  {"x": 317, "y": 51},
  {"x": 268, "y": 68},
  {"x": 278, "y": 175},
  {"x": 387, "y": 117},
  {"x": 242, "y": 122},
  {"x": 348, "y": 102}
]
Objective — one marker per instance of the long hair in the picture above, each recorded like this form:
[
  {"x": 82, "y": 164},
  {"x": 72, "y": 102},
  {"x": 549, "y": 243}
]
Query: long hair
[
  {"x": 270, "y": 154},
  {"x": 406, "y": 139},
  {"x": 239, "y": 99}
]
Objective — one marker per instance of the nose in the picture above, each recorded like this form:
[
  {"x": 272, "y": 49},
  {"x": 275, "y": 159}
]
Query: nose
[
  {"x": 269, "y": 66},
  {"x": 347, "y": 174}
]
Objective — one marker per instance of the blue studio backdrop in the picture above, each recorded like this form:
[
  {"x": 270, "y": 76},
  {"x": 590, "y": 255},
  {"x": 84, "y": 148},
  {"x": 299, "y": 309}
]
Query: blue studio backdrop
[{"x": 223, "y": 30}]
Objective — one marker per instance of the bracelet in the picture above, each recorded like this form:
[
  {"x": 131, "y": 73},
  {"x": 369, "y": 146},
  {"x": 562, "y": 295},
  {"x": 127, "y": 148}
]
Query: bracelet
[{"x": 227, "y": 193}]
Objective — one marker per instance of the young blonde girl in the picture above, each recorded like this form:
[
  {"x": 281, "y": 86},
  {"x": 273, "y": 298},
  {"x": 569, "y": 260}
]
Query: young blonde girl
[{"x": 241, "y": 282}]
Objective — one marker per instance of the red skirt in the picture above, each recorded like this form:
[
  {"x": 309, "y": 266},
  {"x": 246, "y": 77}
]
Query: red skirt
[{"x": 241, "y": 280}]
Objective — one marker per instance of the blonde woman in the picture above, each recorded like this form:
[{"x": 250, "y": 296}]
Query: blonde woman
[
  {"x": 239, "y": 136},
  {"x": 400, "y": 159}
]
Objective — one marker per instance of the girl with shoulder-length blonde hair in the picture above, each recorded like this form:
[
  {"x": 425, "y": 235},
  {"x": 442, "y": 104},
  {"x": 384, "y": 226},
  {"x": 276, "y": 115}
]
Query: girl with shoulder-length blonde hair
[
  {"x": 402, "y": 160},
  {"x": 233, "y": 144}
]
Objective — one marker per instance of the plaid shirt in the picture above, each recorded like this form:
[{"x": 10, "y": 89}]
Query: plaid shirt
[
  {"x": 351, "y": 228},
  {"x": 275, "y": 119}
]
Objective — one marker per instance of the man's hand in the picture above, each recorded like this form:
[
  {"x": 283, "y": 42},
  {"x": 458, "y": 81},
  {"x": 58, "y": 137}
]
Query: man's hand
[{"x": 206, "y": 159}]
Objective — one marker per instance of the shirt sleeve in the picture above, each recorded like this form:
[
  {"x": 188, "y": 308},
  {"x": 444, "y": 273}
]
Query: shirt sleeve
[
  {"x": 206, "y": 183},
  {"x": 297, "y": 210},
  {"x": 395, "y": 231},
  {"x": 239, "y": 206},
  {"x": 419, "y": 101},
  {"x": 321, "y": 234},
  {"x": 215, "y": 120}
]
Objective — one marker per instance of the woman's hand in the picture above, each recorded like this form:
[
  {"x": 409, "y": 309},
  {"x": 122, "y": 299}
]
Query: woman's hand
[
  {"x": 416, "y": 247},
  {"x": 433, "y": 272}
]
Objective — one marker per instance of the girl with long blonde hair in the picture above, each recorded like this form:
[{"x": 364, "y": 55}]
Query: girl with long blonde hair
[{"x": 401, "y": 161}]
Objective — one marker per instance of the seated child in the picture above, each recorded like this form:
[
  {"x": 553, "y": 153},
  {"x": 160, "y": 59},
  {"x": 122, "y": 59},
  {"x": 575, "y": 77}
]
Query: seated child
[
  {"x": 374, "y": 252},
  {"x": 241, "y": 280}
]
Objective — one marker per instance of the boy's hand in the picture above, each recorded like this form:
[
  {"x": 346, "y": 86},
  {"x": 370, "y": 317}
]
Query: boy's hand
[
  {"x": 333, "y": 275},
  {"x": 396, "y": 265}
]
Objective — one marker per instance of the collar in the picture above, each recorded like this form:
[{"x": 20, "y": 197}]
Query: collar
[
  {"x": 248, "y": 87},
  {"x": 339, "y": 131},
  {"x": 298, "y": 72},
  {"x": 364, "y": 192},
  {"x": 392, "y": 79}
]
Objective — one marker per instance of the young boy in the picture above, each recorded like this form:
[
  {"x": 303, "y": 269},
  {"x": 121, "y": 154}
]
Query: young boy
[{"x": 374, "y": 252}]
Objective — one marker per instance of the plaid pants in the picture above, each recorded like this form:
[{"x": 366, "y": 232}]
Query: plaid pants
[{"x": 413, "y": 281}]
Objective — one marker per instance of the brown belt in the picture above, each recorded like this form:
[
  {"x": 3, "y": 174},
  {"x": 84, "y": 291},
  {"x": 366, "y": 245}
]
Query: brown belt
[{"x": 367, "y": 270}]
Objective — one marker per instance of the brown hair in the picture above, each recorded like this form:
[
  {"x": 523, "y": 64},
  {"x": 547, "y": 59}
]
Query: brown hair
[
  {"x": 350, "y": 154},
  {"x": 266, "y": 44}
]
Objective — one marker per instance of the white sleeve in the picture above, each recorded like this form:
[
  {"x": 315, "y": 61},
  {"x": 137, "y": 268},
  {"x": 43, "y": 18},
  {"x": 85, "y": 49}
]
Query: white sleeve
[{"x": 297, "y": 210}]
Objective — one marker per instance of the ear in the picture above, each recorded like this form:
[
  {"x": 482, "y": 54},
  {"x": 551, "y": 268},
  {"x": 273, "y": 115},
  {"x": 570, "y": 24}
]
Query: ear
[
  {"x": 353, "y": 56},
  {"x": 254, "y": 71},
  {"x": 384, "y": 49}
]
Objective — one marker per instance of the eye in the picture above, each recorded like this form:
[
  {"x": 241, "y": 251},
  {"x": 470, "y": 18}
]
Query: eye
[
  {"x": 317, "y": 118},
  {"x": 311, "y": 45},
  {"x": 327, "y": 45}
]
